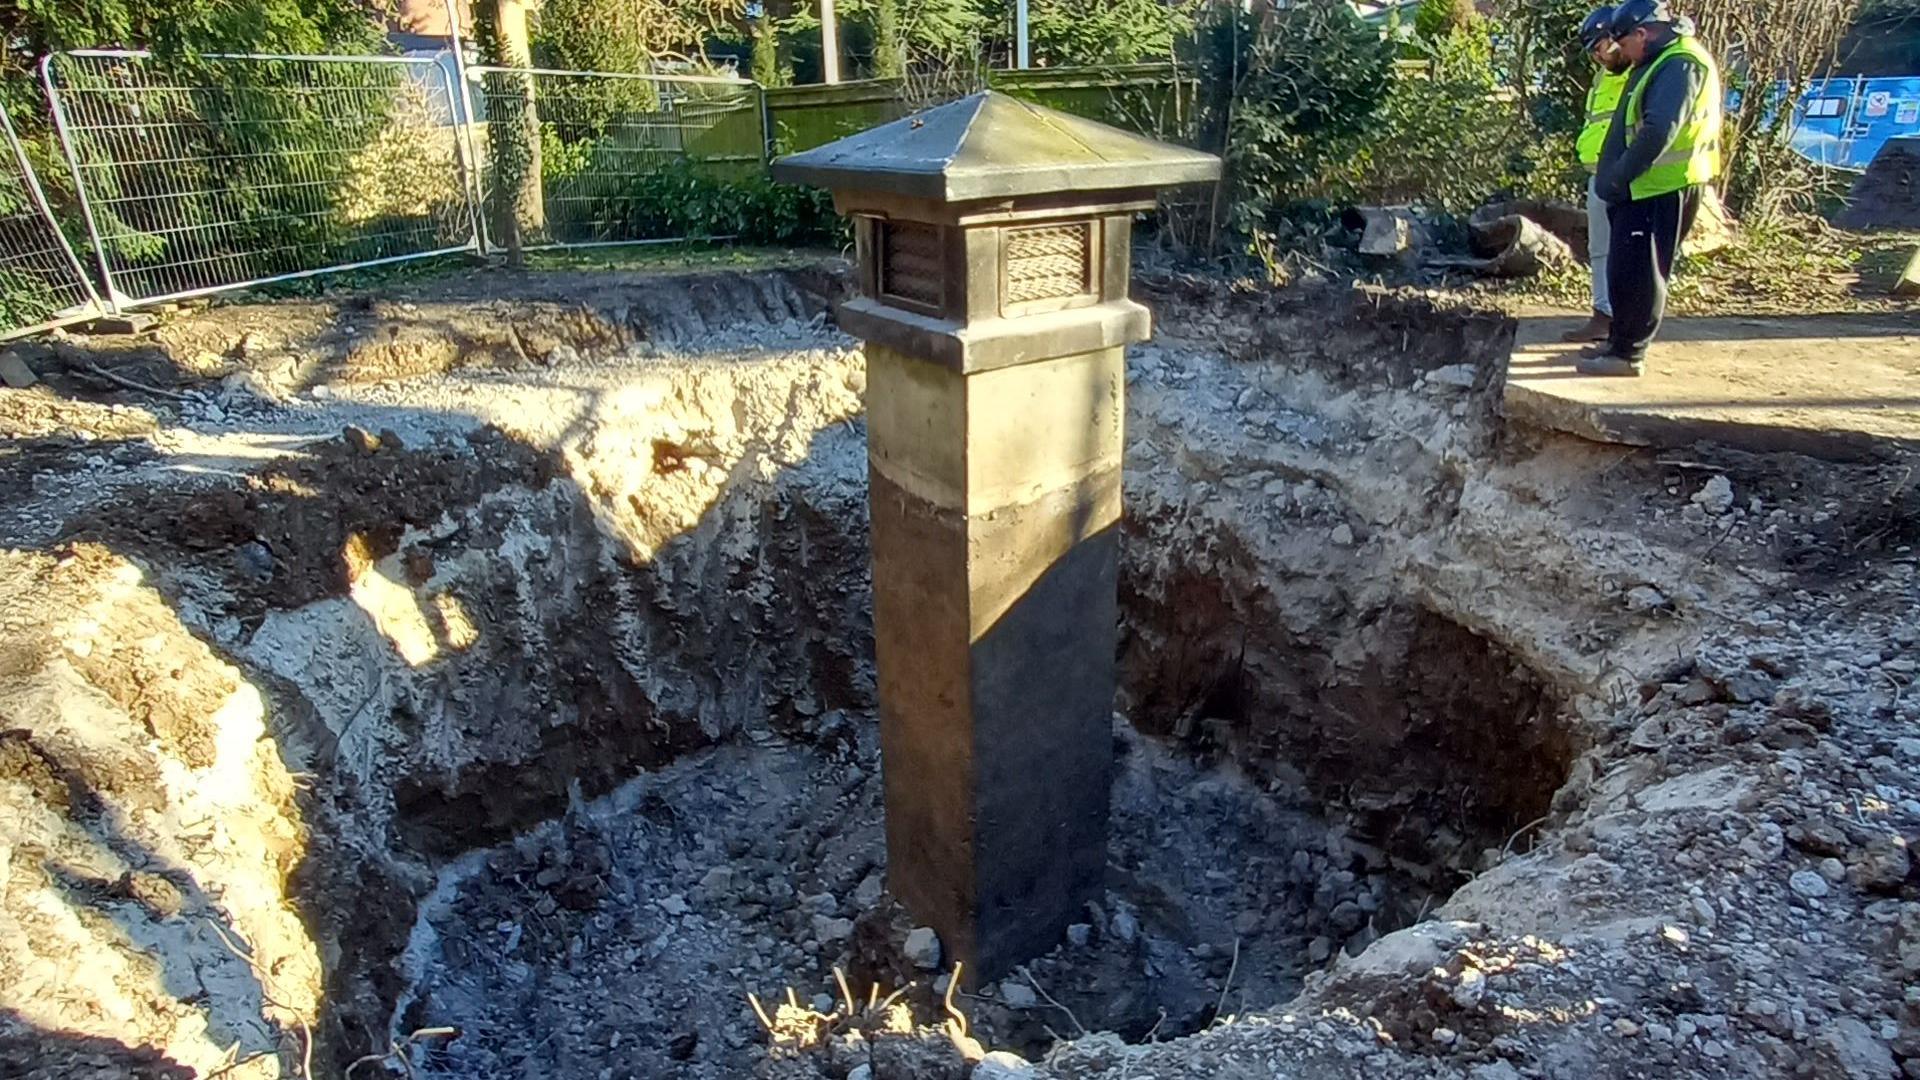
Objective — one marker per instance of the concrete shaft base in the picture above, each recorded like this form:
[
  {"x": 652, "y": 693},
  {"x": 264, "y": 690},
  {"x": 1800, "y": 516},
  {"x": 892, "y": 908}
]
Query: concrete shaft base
[{"x": 996, "y": 510}]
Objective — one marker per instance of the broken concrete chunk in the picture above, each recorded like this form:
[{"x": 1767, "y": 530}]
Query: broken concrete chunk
[
  {"x": 831, "y": 931},
  {"x": 160, "y": 897},
  {"x": 1703, "y": 912},
  {"x": 1817, "y": 837},
  {"x": 1883, "y": 866},
  {"x": 923, "y": 948},
  {"x": 15, "y": 372},
  {"x": 134, "y": 322},
  {"x": 255, "y": 561},
  {"x": 1001, "y": 1065},
  {"x": 1509, "y": 245},
  {"x": 1456, "y": 376},
  {"x": 1765, "y": 843},
  {"x": 1859, "y": 1053},
  {"x": 1647, "y": 598},
  {"x": 1749, "y": 687},
  {"x": 1716, "y": 789},
  {"x": 1697, "y": 691},
  {"x": 1809, "y": 884},
  {"x": 717, "y": 881},
  {"x": 1909, "y": 283},
  {"x": 1471, "y": 989},
  {"x": 1716, "y": 497},
  {"x": 1651, "y": 734},
  {"x": 1798, "y": 704},
  {"x": 1017, "y": 995},
  {"x": 1388, "y": 231},
  {"x": 361, "y": 439}
]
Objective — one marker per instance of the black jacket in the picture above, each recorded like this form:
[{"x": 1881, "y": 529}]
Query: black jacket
[{"x": 1669, "y": 101}]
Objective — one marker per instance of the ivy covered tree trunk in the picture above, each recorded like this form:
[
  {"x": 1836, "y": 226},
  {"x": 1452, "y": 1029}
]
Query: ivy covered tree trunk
[
  {"x": 889, "y": 50},
  {"x": 766, "y": 50},
  {"x": 780, "y": 11},
  {"x": 517, "y": 209}
]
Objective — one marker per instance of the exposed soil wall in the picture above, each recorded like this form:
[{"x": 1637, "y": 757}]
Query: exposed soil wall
[
  {"x": 449, "y": 624},
  {"x": 1281, "y": 616},
  {"x": 497, "y": 659}
]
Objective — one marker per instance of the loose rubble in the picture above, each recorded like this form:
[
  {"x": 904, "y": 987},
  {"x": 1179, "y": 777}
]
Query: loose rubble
[{"x": 535, "y": 657}]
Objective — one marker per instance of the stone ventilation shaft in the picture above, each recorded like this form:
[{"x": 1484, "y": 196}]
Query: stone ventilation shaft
[{"x": 993, "y": 241}]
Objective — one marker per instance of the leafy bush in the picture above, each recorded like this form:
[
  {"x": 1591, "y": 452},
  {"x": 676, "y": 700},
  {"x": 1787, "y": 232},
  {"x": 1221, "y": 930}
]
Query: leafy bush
[
  {"x": 1283, "y": 93},
  {"x": 270, "y": 166},
  {"x": 683, "y": 200},
  {"x": 884, "y": 38},
  {"x": 1450, "y": 139},
  {"x": 1539, "y": 58},
  {"x": 1310, "y": 113},
  {"x": 627, "y": 36},
  {"x": 176, "y": 31},
  {"x": 26, "y": 296},
  {"x": 171, "y": 28},
  {"x": 1437, "y": 19},
  {"x": 1068, "y": 32}
]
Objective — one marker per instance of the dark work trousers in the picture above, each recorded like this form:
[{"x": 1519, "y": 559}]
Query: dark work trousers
[{"x": 1646, "y": 238}]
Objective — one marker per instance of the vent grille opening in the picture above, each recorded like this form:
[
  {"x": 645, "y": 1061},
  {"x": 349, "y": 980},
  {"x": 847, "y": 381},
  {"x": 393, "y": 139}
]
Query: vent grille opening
[
  {"x": 912, "y": 264},
  {"x": 1048, "y": 262}
]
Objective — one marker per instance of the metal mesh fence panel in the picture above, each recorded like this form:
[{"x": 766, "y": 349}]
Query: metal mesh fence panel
[
  {"x": 575, "y": 158},
  {"x": 41, "y": 282},
  {"x": 240, "y": 170}
]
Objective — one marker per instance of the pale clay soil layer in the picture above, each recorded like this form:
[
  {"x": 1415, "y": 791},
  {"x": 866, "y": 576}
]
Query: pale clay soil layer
[{"x": 478, "y": 683}]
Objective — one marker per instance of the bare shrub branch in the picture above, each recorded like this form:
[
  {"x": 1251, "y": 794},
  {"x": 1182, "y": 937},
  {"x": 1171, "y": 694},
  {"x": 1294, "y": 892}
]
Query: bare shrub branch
[{"x": 1769, "y": 44}]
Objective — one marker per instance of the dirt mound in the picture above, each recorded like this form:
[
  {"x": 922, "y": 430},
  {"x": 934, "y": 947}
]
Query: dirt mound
[
  {"x": 1887, "y": 195},
  {"x": 306, "y": 528},
  {"x": 482, "y": 320}
]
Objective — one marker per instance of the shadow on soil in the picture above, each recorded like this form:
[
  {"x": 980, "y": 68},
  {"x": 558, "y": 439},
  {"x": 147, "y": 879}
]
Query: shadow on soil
[{"x": 301, "y": 530}]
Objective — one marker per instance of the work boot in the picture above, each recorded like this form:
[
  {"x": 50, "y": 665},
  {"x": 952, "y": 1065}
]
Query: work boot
[
  {"x": 1601, "y": 360},
  {"x": 1598, "y": 328}
]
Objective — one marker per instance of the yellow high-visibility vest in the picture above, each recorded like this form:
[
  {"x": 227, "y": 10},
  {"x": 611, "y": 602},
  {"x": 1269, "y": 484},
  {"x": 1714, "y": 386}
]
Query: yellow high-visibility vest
[
  {"x": 1603, "y": 100},
  {"x": 1694, "y": 157}
]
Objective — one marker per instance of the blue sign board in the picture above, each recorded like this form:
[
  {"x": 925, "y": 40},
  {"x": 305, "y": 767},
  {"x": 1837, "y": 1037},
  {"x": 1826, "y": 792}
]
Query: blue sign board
[{"x": 1843, "y": 123}]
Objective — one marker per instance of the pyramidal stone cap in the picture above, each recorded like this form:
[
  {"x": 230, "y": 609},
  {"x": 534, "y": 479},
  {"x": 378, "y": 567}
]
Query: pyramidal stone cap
[{"x": 991, "y": 146}]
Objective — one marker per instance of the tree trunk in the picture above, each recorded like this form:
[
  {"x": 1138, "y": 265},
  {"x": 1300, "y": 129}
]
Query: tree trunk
[
  {"x": 516, "y": 137},
  {"x": 889, "y": 51},
  {"x": 766, "y": 50},
  {"x": 777, "y": 12}
]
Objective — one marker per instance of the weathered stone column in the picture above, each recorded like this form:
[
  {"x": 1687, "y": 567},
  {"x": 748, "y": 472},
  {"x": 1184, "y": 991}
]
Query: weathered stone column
[{"x": 993, "y": 240}]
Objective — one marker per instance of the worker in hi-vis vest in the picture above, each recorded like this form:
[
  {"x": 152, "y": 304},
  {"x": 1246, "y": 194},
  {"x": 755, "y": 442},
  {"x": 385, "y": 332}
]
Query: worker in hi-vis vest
[
  {"x": 1603, "y": 100},
  {"x": 1661, "y": 151}
]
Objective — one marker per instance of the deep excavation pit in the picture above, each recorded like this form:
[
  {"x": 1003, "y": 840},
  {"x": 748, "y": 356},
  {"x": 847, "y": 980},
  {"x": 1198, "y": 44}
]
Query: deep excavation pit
[
  {"x": 546, "y": 690},
  {"x": 1276, "y": 805},
  {"x": 572, "y": 712}
]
